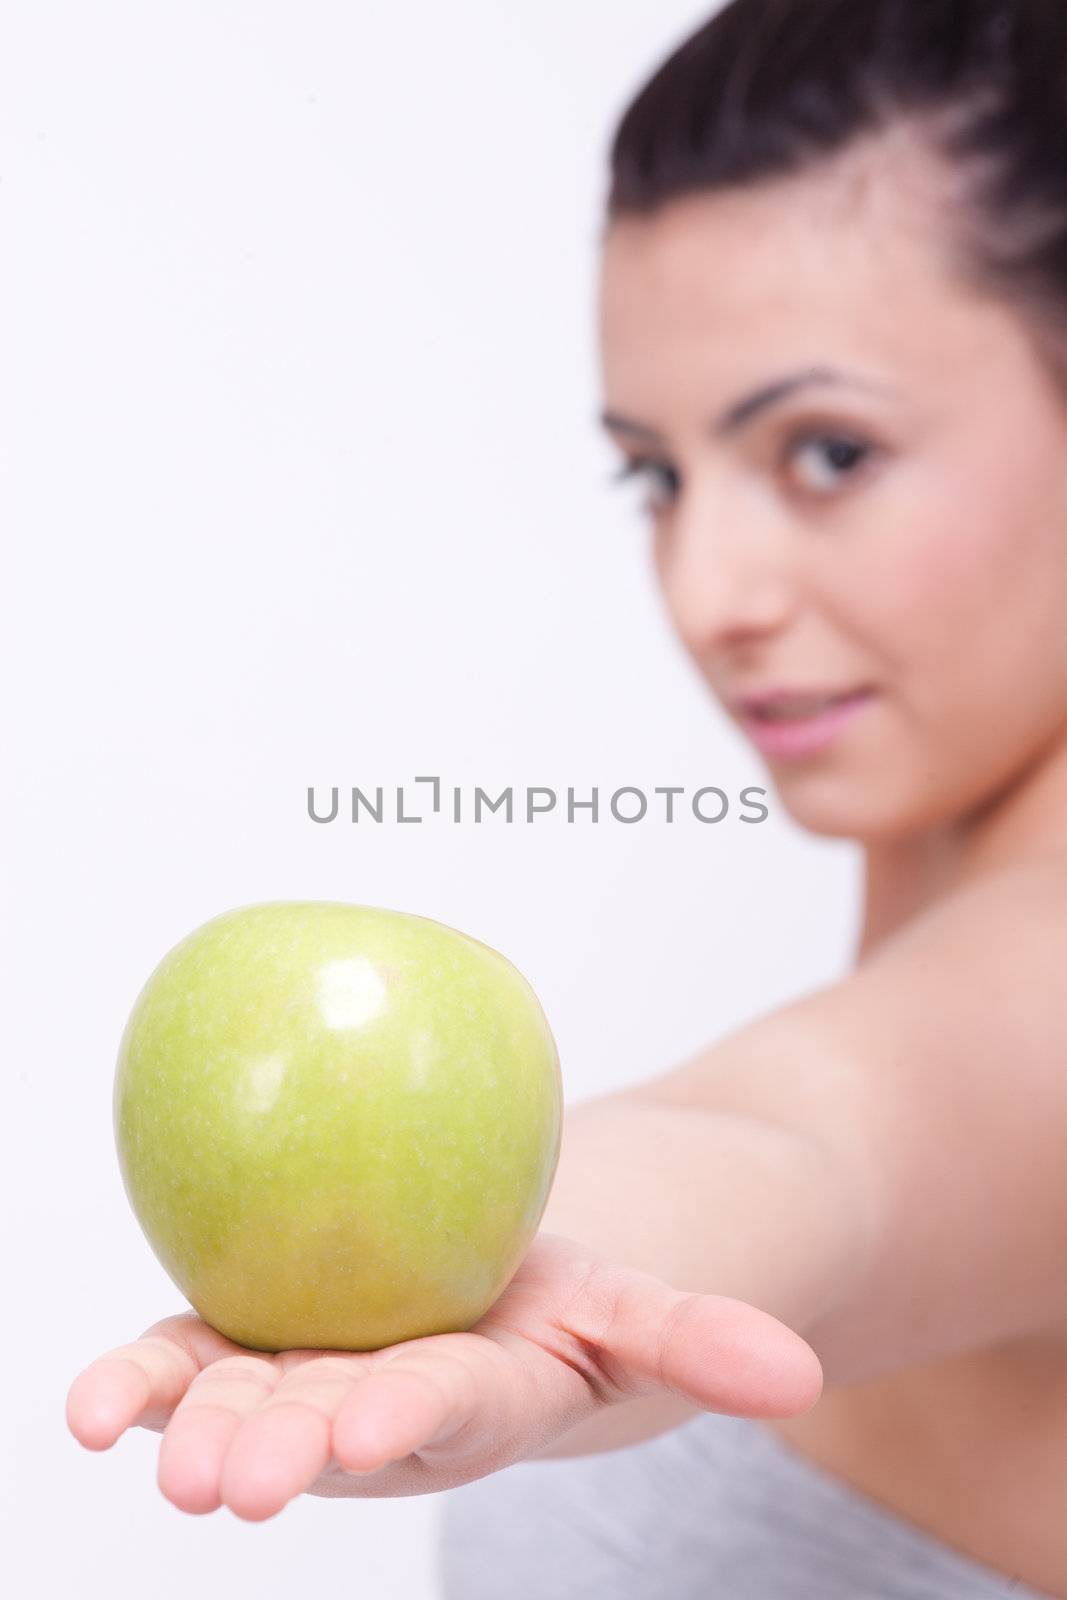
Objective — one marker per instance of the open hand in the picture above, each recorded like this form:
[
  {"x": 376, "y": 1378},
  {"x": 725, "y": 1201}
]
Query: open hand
[{"x": 571, "y": 1333}]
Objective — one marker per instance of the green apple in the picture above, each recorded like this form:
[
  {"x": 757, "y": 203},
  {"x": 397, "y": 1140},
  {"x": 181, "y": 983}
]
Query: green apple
[{"x": 337, "y": 1125}]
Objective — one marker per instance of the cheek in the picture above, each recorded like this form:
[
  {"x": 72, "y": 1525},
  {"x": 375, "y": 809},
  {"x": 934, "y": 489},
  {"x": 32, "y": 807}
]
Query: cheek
[{"x": 968, "y": 583}]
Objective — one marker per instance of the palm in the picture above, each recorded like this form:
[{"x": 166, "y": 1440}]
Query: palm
[{"x": 570, "y": 1334}]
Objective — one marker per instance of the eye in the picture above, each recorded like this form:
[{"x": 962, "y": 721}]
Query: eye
[
  {"x": 664, "y": 483},
  {"x": 823, "y": 461}
]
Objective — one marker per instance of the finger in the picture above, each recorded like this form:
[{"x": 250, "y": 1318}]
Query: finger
[
  {"x": 398, "y": 1409},
  {"x": 206, "y": 1421},
  {"x": 455, "y": 1396},
  {"x": 716, "y": 1352},
  {"x": 142, "y": 1382},
  {"x": 284, "y": 1443},
  {"x": 139, "y": 1382}
]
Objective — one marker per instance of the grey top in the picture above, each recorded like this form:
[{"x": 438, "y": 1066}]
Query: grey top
[{"x": 718, "y": 1509}]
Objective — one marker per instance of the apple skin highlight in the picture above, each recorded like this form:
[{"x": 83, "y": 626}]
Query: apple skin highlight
[{"x": 337, "y": 1125}]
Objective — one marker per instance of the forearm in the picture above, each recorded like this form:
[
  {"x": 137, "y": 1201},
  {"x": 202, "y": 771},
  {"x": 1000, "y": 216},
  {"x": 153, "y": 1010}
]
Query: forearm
[{"x": 712, "y": 1203}]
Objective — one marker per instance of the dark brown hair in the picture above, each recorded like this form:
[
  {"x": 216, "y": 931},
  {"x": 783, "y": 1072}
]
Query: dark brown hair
[{"x": 768, "y": 87}]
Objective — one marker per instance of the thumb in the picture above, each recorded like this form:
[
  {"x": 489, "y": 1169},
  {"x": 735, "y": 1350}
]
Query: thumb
[{"x": 716, "y": 1352}]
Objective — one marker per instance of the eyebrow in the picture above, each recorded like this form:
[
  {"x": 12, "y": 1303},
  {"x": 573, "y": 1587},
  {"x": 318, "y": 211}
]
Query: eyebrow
[{"x": 742, "y": 411}]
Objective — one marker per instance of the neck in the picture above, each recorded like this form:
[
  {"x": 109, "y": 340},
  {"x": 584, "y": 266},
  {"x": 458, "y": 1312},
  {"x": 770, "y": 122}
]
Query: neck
[{"x": 1024, "y": 821}]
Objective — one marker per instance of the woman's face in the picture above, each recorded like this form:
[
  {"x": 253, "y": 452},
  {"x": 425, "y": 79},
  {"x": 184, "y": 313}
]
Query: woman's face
[{"x": 899, "y": 526}]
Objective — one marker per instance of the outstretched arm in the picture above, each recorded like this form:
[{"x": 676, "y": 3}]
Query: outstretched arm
[
  {"x": 711, "y": 1201},
  {"x": 936, "y": 1074},
  {"x": 932, "y": 1081}
]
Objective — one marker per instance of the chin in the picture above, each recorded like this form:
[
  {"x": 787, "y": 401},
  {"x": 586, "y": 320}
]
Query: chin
[{"x": 860, "y": 808}]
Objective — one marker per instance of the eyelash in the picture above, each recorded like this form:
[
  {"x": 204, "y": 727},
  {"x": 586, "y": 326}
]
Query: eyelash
[{"x": 638, "y": 466}]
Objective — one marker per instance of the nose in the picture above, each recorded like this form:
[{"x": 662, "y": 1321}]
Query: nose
[{"x": 725, "y": 574}]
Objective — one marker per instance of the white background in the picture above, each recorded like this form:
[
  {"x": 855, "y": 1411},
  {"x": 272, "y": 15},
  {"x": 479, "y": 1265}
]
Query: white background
[{"x": 302, "y": 485}]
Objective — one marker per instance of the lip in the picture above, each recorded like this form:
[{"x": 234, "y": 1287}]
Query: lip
[
  {"x": 800, "y": 736},
  {"x": 788, "y": 692}
]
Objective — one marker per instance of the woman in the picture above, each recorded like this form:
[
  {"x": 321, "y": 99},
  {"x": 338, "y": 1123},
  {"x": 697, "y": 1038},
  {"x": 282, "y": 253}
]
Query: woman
[{"x": 796, "y": 1320}]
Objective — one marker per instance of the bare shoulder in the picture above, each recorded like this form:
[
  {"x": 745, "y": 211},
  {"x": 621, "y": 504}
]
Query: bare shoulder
[
  {"x": 1015, "y": 907},
  {"x": 991, "y": 954},
  {"x": 974, "y": 986}
]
